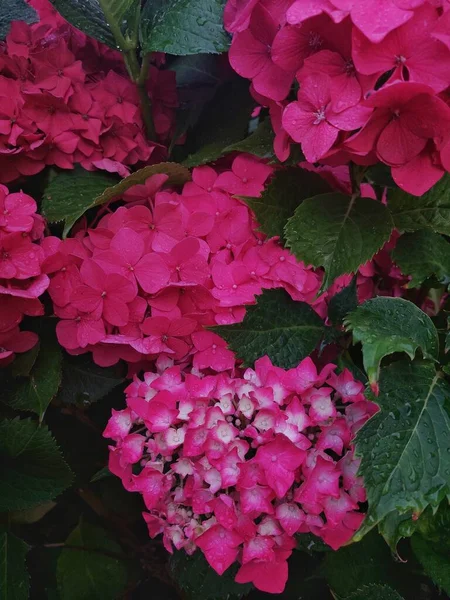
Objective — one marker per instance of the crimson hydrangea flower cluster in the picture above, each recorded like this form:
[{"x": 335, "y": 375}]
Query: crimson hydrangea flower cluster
[
  {"x": 373, "y": 79},
  {"x": 66, "y": 99},
  {"x": 147, "y": 279},
  {"x": 236, "y": 466},
  {"x": 21, "y": 277}
]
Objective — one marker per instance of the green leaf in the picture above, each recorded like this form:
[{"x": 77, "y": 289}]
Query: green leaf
[
  {"x": 14, "y": 578},
  {"x": 15, "y": 10},
  {"x": 259, "y": 143},
  {"x": 113, "y": 22},
  {"x": 375, "y": 592},
  {"x": 356, "y": 565},
  {"x": 200, "y": 582},
  {"x": 35, "y": 392},
  {"x": 184, "y": 27},
  {"x": 435, "y": 525},
  {"x": 343, "y": 303},
  {"x": 388, "y": 325},
  {"x": 23, "y": 363},
  {"x": 285, "y": 330},
  {"x": 423, "y": 254},
  {"x": 225, "y": 122},
  {"x": 430, "y": 211},
  {"x": 338, "y": 232},
  {"x": 84, "y": 381},
  {"x": 435, "y": 564},
  {"x": 286, "y": 190},
  {"x": 405, "y": 447},
  {"x": 71, "y": 193},
  {"x": 91, "y": 573},
  {"x": 102, "y": 474},
  {"x": 32, "y": 470},
  {"x": 396, "y": 526},
  {"x": 31, "y": 515}
]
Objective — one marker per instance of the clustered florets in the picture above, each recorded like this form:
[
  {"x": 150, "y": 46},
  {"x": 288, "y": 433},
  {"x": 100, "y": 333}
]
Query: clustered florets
[
  {"x": 21, "y": 277},
  {"x": 236, "y": 466},
  {"x": 373, "y": 80},
  {"x": 67, "y": 99},
  {"x": 147, "y": 279}
]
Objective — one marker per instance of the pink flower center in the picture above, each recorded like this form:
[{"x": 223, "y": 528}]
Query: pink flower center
[
  {"x": 103, "y": 294},
  {"x": 400, "y": 60},
  {"x": 5, "y": 255},
  {"x": 320, "y": 116}
]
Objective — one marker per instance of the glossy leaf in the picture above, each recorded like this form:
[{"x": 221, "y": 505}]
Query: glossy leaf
[
  {"x": 285, "y": 330},
  {"x": 286, "y": 190},
  {"x": 183, "y": 27},
  {"x": 430, "y": 211},
  {"x": 35, "y": 391},
  {"x": 405, "y": 447},
  {"x": 338, "y": 232},
  {"x": 71, "y": 193},
  {"x": 32, "y": 469},
  {"x": 388, "y": 325},
  {"x": 113, "y": 22},
  {"x": 423, "y": 254}
]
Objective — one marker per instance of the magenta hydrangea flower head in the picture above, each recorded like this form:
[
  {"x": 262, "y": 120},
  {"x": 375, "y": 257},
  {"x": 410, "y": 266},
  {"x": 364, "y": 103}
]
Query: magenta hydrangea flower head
[
  {"x": 344, "y": 54},
  {"x": 22, "y": 281},
  {"x": 238, "y": 465},
  {"x": 151, "y": 275},
  {"x": 66, "y": 99}
]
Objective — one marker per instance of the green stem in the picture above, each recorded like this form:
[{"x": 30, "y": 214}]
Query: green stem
[{"x": 139, "y": 75}]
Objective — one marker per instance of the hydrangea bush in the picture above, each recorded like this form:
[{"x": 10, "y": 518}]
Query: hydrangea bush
[{"x": 224, "y": 309}]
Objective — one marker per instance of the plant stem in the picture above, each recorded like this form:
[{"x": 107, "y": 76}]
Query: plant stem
[{"x": 139, "y": 75}]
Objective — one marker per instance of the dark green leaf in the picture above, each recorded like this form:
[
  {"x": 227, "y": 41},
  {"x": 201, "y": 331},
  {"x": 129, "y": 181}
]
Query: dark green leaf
[
  {"x": 184, "y": 27},
  {"x": 90, "y": 574},
  {"x": 102, "y": 474},
  {"x": 338, "y": 232},
  {"x": 15, "y": 10},
  {"x": 285, "y": 330},
  {"x": 113, "y": 22},
  {"x": 71, "y": 193},
  {"x": 435, "y": 526},
  {"x": 405, "y": 447},
  {"x": 375, "y": 592},
  {"x": 308, "y": 542},
  {"x": 351, "y": 567},
  {"x": 396, "y": 526},
  {"x": 197, "y": 81},
  {"x": 259, "y": 143},
  {"x": 31, "y": 515},
  {"x": 431, "y": 211},
  {"x": 388, "y": 325},
  {"x": 196, "y": 70},
  {"x": 342, "y": 303},
  {"x": 84, "y": 381},
  {"x": 23, "y": 363},
  {"x": 435, "y": 564},
  {"x": 200, "y": 582},
  {"x": 14, "y": 578},
  {"x": 422, "y": 254},
  {"x": 380, "y": 174},
  {"x": 225, "y": 122},
  {"x": 281, "y": 197},
  {"x": 32, "y": 469},
  {"x": 35, "y": 392}
]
